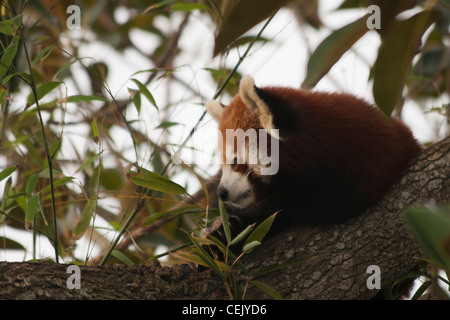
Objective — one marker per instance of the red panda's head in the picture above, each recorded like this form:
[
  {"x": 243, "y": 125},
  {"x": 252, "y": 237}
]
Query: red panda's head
[{"x": 248, "y": 145}]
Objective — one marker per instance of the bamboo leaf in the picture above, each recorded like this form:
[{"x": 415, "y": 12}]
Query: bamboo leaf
[
  {"x": 8, "y": 56},
  {"x": 225, "y": 223},
  {"x": 7, "y": 172},
  {"x": 94, "y": 126},
  {"x": 56, "y": 183},
  {"x": 206, "y": 258},
  {"x": 173, "y": 249},
  {"x": 186, "y": 7},
  {"x": 202, "y": 183},
  {"x": 155, "y": 181},
  {"x": 331, "y": 50},
  {"x": 88, "y": 162},
  {"x": 84, "y": 98},
  {"x": 242, "y": 235},
  {"x": 42, "y": 91},
  {"x": 221, "y": 246},
  {"x": 136, "y": 97},
  {"x": 86, "y": 217},
  {"x": 261, "y": 230},
  {"x": 122, "y": 257},
  {"x": 31, "y": 211},
  {"x": 9, "y": 27},
  {"x": 432, "y": 229},
  {"x": 239, "y": 16},
  {"x": 42, "y": 55},
  {"x": 190, "y": 257},
  {"x": 421, "y": 290},
  {"x": 143, "y": 89},
  {"x": 195, "y": 258},
  {"x": 46, "y": 173},
  {"x": 6, "y": 243},
  {"x": 167, "y": 124},
  {"x": 171, "y": 214},
  {"x": 394, "y": 61},
  {"x": 248, "y": 247},
  {"x": 267, "y": 289}
]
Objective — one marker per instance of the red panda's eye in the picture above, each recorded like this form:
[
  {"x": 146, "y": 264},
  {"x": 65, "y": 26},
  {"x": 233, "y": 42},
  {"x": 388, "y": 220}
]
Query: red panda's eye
[{"x": 234, "y": 163}]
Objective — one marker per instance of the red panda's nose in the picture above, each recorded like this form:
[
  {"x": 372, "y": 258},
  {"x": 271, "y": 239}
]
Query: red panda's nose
[{"x": 222, "y": 193}]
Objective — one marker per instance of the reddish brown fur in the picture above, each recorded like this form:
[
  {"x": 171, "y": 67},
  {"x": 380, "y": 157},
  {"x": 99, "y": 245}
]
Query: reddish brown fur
[{"x": 337, "y": 152}]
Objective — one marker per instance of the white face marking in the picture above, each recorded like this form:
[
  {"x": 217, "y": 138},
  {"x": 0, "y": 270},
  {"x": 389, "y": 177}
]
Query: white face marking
[{"x": 240, "y": 191}]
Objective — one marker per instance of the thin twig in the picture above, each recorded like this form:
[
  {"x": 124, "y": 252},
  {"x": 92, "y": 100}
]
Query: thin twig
[{"x": 47, "y": 150}]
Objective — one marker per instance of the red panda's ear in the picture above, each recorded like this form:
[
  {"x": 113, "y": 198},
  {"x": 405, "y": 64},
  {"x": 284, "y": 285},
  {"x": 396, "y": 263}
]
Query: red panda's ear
[
  {"x": 249, "y": 95},
  {"x": 214, "y": 108}
]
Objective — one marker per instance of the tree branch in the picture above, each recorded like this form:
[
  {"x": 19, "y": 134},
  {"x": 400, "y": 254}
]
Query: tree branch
[{"x": 339, "y": 270}]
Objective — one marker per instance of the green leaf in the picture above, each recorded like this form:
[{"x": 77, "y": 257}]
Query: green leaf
[
  {"x": 202, "y": 183},
  {"x": 331, "y": 50},
  {"x": 136, "y": 97},
  {"x": 7, "y": 172},
  {"x": 195, "y": 258},
  {"x": 94, "y": 126},
  {"x": 185, "y": 7},
  {"x": 261, "y": 230},
  {"x": 88, "y": 162},
  {"x": 350, "y": 4},
  {"x": 394, "y": 61},
  {"x": 22, "y": 75},
  {"x": 155, "y": 181},
  {"x": 242, "y": 235},
  {"x": 432, "y": 229},
  {"x": 221, "y": 246},
  {"x": 31, "y": 211},
  {"x": 8, "y": 244},
  {"x": 244, "y": 41},
  {"x": 424, "y": 286},
  {"x": 42, "y": 91},
  {"x": 190, "y": 257},
  {"x": 56, "y": 183},
  {"x": 167, "y": 124},
  {"x": 111, "y": 179},
  {"x": 225, "y": 224},
  {"x": 46, "y": 173},
  {"x": 267, "y": 289},
  {"x": 171, "y": 214},
  {"x": 5, "y": 204},
  {"x": 6, "y": 27},
  {"x": 84, "y": 98},
  {"x": 42, "y": 55},
  {"x": 248, "y": 247},
  {"x": 122, "y": 257},
  {"x": 239, "y": 16},
  {"x": 143, "y": 90},
  {"x": 206, "y": 258},
  {"x": 8, "y": 56},
  {"x": 86, "y": 217}
]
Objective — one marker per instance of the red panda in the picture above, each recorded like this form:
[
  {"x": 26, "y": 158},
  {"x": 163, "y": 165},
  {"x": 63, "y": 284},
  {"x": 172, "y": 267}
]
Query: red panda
[{"x": 335, "y": 155}]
